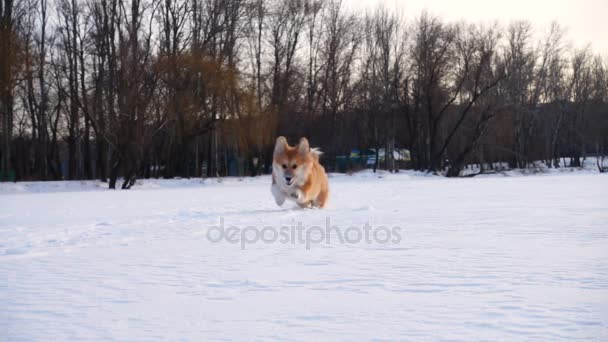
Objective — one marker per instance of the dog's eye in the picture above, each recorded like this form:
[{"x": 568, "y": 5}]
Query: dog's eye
[
  {"x": 284, "y": 166},
  {"x": 294, "y": 166}
]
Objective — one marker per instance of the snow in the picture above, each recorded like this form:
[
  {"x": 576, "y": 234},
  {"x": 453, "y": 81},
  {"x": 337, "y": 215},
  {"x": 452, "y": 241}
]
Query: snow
[
  {"x": 483, "y": 258},
  {"x": 537, "y": 168}
]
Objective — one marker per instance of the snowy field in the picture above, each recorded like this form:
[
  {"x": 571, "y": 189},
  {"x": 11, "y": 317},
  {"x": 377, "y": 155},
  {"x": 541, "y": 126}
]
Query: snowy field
[{"x": 485, "y": 258}]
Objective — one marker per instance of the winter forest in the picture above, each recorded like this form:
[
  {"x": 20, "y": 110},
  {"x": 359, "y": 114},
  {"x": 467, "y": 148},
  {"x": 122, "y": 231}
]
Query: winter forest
[{"x": 120, "y": 90}]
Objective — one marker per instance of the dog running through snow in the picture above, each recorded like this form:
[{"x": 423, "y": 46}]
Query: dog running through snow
[{"x": 297, "y": 175}]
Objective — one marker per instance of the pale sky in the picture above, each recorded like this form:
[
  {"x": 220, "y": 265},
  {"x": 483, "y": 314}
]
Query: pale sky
[{"x": 586, "y": 20}]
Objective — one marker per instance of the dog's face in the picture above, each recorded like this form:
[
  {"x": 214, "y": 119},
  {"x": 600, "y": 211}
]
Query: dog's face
[{"x": 291, "y": 163}]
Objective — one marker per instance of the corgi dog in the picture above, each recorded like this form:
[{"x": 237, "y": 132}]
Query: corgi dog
[{"x": 297, "y": 175}]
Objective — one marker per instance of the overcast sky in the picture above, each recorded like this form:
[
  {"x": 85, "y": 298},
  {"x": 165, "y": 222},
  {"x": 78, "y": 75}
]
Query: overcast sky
[{"x": 586, "y": 20}]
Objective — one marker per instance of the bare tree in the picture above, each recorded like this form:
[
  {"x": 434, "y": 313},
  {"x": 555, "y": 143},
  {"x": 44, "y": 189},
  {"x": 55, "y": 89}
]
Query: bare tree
[
  {"x": 519, "y": 63},
  {"x": 480, "y": 101},
  {"x": 315, "y": 31},
  {"x": 383, "y": 69},
  {"x": 286, "y": 22},
  {"x": 338, "y": 51},
  {"x": 580, "y": 94},
  {"x": 434, "y": 61},
  {"x": 11, "y": 13}
]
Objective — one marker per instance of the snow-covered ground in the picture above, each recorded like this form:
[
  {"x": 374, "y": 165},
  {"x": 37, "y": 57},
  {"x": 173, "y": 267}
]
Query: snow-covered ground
[{"x": 484, "y": 258}]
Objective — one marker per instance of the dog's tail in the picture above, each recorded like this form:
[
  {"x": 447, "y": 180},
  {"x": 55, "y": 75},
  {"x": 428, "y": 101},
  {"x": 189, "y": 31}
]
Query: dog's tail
[{"x": 316, "y": 153}]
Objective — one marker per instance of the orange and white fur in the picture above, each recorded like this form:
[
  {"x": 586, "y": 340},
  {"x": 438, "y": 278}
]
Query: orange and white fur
[{"x": 297, "y": 175}]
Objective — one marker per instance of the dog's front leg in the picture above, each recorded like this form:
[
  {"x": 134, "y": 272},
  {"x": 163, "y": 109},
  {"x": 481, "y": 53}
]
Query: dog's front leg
[
  {"x": 279, "y": 195},
  {"x": 301, "y": 198}
]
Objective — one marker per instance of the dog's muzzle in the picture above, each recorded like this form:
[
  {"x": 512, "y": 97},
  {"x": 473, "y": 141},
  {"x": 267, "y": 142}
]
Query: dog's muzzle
[{"x": 288, "y": 179}]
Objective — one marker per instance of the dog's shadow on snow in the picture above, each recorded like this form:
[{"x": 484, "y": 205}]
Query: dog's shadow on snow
[
  {"x": 286, "y": 210},
  {"x": 250, "y": 212}
]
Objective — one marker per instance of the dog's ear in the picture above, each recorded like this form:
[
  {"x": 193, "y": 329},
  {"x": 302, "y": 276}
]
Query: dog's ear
[
  {"x": 281, "y": 145},
  {"x": 303, "y": 146}
]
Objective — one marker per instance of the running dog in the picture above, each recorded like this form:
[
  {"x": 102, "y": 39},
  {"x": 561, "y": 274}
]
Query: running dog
[{"x": 298, "y": 175}]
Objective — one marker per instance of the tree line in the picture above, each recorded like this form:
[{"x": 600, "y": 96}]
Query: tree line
[{"x": 118, "y": 90}]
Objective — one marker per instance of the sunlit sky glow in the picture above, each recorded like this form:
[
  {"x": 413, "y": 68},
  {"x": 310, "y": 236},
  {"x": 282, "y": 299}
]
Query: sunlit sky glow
[{"x": 585, "y": 20}]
